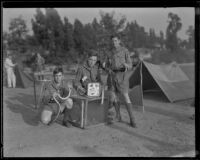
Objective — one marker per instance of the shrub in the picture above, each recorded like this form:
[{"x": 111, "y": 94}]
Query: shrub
[{"x": 165, "y": 56}]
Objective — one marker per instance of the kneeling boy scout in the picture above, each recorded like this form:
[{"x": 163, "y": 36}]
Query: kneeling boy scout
[{"x": 56, "y": 87}]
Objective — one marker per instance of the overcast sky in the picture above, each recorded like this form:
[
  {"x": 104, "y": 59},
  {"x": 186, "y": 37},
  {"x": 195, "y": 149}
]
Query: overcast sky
[{"x": 148, "y": 17}]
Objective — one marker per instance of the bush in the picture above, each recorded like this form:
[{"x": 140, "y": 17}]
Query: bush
[{"x": 165, "y": 56}]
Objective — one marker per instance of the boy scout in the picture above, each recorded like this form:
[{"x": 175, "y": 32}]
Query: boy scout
[
  {"x": 9, "y": 66},
  {"x": 56, "y": 87},
  {"x": 86, "y": 73},
  {"x": 118, "y": 82}
]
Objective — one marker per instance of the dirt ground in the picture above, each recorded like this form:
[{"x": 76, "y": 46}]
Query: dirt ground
[{"x": 164, "y": 129}]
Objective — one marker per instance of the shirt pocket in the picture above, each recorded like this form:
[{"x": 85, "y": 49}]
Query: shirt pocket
[{"x": 119, "y": 60}]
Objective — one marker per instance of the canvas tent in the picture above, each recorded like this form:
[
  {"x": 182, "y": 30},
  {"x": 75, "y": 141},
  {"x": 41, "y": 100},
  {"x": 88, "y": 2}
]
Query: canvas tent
[
  {"x": 23, "y": 80},
  {"x": 176, "y": 81}
]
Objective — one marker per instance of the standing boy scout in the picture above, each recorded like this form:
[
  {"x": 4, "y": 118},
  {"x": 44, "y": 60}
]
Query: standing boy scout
[
  {"x": 56, "y": 87},
  {"x": 39, "y": 64},
  {"x": 9, "y": 66},
  {"x": 118, "y": 82}
]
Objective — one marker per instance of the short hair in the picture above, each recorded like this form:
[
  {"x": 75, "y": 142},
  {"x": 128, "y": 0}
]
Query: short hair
[
  {"x": 92, "y": 53},
  {"x": 115, "y": 35},
  {"x": 57, "y": 70},
  {"x": 9, "y": 53}
]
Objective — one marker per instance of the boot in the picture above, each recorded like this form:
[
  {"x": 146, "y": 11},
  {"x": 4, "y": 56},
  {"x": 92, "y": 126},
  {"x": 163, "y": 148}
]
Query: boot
[
  {"x": 42, "y": 77},
  {"x": 110, "y": 114},
  {"x": 130, "y": 112},
  {"x": 66, "y": 118},
  {"x": 117, "y": 109}
]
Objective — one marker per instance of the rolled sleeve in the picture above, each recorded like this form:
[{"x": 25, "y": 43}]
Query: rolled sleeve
[{"x": 8, "y": 63}]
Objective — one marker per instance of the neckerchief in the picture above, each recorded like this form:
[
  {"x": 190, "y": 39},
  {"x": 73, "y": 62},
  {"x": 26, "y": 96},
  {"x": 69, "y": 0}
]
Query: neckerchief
[{"x": 86, "y": 66}]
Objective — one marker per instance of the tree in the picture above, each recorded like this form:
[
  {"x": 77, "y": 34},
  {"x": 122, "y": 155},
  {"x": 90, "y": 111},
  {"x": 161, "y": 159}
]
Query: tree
[
  {"x": 190, "y": 33},
  {"x": 97, "y": 34},
  {"x": 78, "y": 35},
  {"x": 152, "y": 37},
  {"x": 161, "y": 39},
  {"x": 39, "y": 28},
  {"x": 184, "y": 44},
  {"x": 48, "y": 30},
  {"x": 68, "y": 35},
  {"x": 5, "y": 41},
  {"x": 136, "y": 36},
  {"x": 17, "y": 35},
  {"x": 171, "y": 33},
  {"x": 89, "y": 37},
  {"x": 97, "y": 27},
  {"x": 55, "y": 31},
  {"x": 109, "y": 26},
  {"x": 18, "y": 28}
]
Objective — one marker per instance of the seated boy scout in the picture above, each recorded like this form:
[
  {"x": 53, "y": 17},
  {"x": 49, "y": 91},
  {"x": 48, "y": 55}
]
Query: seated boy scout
[
  {"x": 54, "y": 88},
  {"x": 87, "y": 73}
]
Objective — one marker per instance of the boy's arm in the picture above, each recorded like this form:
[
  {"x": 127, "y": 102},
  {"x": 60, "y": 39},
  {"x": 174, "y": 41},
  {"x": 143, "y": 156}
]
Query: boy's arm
[
  {"x": 128, "y": 63},
  {"x": 99, "y": 77},
  {"x": 9, "y": 63}
]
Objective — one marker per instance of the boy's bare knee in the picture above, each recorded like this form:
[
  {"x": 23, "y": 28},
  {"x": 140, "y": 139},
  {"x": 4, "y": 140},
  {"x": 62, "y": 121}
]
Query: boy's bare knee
[
  {"x": 46, "y": 117},
  {"x": 68, "y": 103},
  {"x": 45, "y": 120},
  {"x": 127, "y": 98},
  {"x": 112, "y": 96}
]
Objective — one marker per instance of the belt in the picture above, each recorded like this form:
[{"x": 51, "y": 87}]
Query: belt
[
  {"x": 119, "y": 70},
  {"x": 52, "y": 101}
]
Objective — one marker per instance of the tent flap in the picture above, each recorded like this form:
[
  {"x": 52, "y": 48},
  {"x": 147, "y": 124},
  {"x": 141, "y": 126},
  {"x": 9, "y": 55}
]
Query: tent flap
[{"x": 23, "y": 80}]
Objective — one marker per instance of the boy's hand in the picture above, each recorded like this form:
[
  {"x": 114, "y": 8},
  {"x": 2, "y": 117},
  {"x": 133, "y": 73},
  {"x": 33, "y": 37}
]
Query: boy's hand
[
  {"x": 69, "y": 85},
  {"x": 55, "y": 94},
  {"x": 104, "y": 64},
  {"x": 84, "y": 78},
  {"x": 81, "y": 90},
  {"x": 127, "y": 66}
]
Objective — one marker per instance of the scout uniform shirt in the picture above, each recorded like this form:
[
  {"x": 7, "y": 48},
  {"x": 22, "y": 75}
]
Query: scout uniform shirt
[
  {"x": 119, "y": 79},
  {"x": 9, "y": 64},
  {"x": 92, "y": 74},
  {"x": 39, "y": 62},
  {"x": 50, "y": 88}
]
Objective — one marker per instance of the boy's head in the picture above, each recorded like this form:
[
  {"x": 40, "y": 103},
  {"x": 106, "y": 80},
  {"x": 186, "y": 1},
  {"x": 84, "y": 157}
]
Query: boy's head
[
  {"x": 115, "y": 40},
  {"x": 58, "y": 74},
  {"x": 9, "y": 54},
  {"x": 92, "y": 58}
]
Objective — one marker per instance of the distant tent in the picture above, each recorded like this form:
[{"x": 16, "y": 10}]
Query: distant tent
[
  {"x": 176, "y": 81},
  {"x": 23, "y": 80},
  {"x": 188, "y": 69}
]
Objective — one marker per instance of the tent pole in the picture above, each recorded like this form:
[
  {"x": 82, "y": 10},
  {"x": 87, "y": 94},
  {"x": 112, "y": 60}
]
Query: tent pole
[
  {"x": 141, "y": 77},
  {"x": 34, "y": 87}
]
